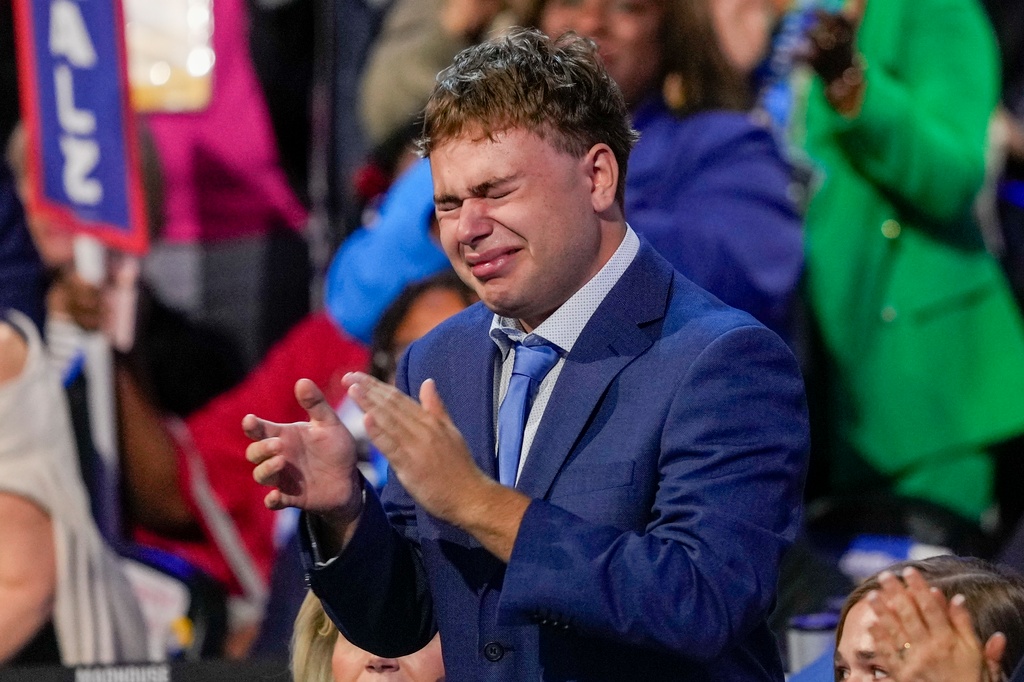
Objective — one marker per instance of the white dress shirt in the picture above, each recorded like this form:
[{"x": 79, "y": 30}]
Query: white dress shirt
[{"x": 562, "y": 329}]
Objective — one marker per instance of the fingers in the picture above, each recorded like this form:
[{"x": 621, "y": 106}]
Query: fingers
[
  {"x": 995, "y": 649},
  {"x": 930, "y": 603},
  {"x": 312, "y": 400},
  {"x": 260, "y": 451},
  {"x": 390, "y": 414},
  {"x": 960, "y": 617},
  {"x": 265, "y": 449},
  {"x": 373, "y": 395},
  {"x": 887, "y": 631},
  {"x": 396, "y": 423},
  {"x": 431, "y": 401},
  {"x": 903, "y": 605},
  {"x": 266, "y": 472},
  {"x": 854, "y": 11},
  {"x": 254, "y": 427},
  {"x": 274, "y": 471},
  {"x": 273, "y": 501}
]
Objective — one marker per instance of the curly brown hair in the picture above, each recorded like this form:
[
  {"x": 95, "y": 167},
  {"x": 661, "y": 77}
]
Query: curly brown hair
[{"x": 557, "y": 88}]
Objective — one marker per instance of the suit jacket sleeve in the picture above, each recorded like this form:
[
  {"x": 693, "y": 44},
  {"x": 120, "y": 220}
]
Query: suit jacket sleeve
[
  {"x": 376, "y": 590},
  {"x": 703, "y": 573},
  {"x": 921, "y": 132}
]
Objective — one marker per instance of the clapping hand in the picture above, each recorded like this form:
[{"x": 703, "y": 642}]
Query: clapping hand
[
  {"x": 430, "y": 458},
  {"x": 425, "y": 450},
  {"x": 831, "y": 52},
  {"x": 831, "y": 38},
  {"x": 310, "y": 465}
]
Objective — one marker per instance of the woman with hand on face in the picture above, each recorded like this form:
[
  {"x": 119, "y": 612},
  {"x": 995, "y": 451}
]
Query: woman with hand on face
[
  {"x": 944, "y": 619},
  {"x": 321, "y": 654}
]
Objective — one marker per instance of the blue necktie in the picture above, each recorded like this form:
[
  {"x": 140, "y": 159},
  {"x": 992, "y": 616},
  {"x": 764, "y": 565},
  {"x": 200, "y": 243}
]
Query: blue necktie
[{"x": 532, "y": 363}]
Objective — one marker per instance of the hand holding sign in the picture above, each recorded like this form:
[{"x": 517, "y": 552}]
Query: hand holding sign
[{"x": 84, "y": 167}]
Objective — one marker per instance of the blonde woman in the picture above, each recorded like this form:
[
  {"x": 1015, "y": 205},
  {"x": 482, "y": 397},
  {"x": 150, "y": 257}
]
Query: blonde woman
[{"x": 321, "y": 654}]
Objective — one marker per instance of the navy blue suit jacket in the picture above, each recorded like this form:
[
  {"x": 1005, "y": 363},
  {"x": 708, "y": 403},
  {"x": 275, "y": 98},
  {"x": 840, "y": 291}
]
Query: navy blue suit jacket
[{"x": 666, "y": 476}]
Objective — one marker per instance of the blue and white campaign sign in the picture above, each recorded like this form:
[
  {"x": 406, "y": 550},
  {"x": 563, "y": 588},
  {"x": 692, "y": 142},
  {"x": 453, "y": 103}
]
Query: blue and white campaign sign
[{"x": 83, "y": 165}]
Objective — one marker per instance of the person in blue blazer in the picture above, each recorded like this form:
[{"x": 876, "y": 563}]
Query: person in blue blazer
[{"x": 636, "y": 530}]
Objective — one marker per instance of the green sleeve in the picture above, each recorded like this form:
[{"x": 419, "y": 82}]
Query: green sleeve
[{"x": 921, "y": 133}]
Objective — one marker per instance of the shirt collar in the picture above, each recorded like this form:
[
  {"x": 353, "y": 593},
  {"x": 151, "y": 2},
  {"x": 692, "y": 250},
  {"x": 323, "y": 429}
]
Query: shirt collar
[{"x": 565, "y": 325}]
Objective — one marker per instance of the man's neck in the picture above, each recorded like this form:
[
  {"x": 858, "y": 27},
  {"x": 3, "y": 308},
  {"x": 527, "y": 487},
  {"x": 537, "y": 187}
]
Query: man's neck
[
  {"x": 564, "y": 325},
  {"x": 615, "y": 232}
]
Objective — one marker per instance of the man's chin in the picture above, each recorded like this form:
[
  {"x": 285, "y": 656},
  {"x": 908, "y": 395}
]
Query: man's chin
[
  {"x": 499, "y": 309},
  {"x": 500, "y": 305}
]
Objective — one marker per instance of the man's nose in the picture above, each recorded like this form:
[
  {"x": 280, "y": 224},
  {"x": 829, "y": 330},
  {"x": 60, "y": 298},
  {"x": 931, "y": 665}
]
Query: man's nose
[{"x": 474, "y": 221}]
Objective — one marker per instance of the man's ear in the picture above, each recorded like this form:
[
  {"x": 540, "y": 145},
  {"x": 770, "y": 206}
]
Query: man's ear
[
  {"x": 603, "y": 171},
  {"x": 993, "y": 652}
]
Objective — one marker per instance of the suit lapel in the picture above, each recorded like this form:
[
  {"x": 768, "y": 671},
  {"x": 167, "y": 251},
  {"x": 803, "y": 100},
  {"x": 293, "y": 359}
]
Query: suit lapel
[
  {"x": 611, "y": 340},
  {"x": 469, "y": 397}
]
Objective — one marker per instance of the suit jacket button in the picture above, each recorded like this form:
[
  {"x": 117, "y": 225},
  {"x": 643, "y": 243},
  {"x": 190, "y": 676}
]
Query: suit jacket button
[
  {"x": 888, "y": 314},
  {"x": 493, "y": 652}
]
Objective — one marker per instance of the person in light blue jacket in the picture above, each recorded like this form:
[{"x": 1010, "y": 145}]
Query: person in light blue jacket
[{"x": 373, "y": 265}]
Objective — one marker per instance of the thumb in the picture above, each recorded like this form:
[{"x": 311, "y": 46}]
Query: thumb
[
  {"x": 431, "y": 401},
  {"x": 312, "y": 400}
]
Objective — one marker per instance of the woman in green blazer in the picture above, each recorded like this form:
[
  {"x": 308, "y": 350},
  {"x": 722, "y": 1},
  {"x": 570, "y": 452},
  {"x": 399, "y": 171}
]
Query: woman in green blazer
[{"x": 924, "y": 342}]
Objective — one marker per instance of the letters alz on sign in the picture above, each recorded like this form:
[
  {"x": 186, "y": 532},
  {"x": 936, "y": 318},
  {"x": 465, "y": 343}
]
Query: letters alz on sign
[{"x": 71, "y": 57}]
